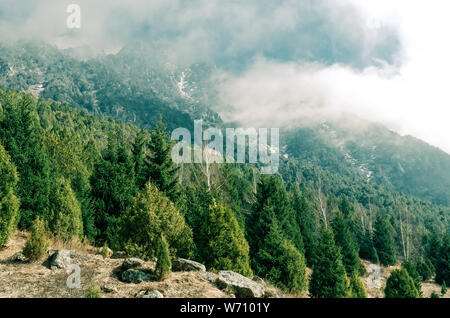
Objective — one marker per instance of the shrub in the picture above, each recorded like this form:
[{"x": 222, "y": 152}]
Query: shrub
[
  {"x": 93, "y": 291},
  {"x": 151, "y": 215},
  {"x": 37, "y": 244},
  {"x": 163, "y": 264}
]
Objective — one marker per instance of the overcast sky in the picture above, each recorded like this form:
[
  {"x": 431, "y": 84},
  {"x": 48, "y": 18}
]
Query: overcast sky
[{"x": 281, "y": 61}]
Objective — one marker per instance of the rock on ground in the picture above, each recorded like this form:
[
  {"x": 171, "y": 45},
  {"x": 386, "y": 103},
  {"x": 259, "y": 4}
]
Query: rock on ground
[
  {"x": 136, "y": 276},
  {"x": 60, "y": 259},
  {"x": 242, "y": 286},
  {"x": 150, "y": 294},
  {"x": 132, "y": 263},
  {"x": 185, "y": 265}
]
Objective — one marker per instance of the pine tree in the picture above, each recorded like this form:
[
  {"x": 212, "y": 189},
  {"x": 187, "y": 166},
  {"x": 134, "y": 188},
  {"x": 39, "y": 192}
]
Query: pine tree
[
  {"x": 349, "y": 248},
  {"x": 151, "y": 215},
  {"x": 400, "y": 285},
  {"x": 328, "y": 279},
  {"x": 424, "y": 269},
  {"x": 271, "y": 194},
  {"x": 444, "y": 288},
  {"x": 163, "y": 263},
  {"x": 20, "y": 134},
  {"x": 383, "y": 241},
  {"x": 65, "y": 219},
  {"x": 224, "y": 246},
  {"x": 159, "y": 167},
  {"x": 412, "y": 271},
  {"x": 356, "y": 286},
  {"x": 279, "y": 261},
  {"x": 443, "y": 261},
  {"x": 307, "y": 221},
  {"x": 9, "y": 203},
  {"x": 113, "y": 188},
  {"x": 37, "y": 244}
]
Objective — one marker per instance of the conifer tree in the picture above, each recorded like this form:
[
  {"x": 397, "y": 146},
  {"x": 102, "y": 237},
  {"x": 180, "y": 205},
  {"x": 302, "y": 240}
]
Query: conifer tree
[
  {"x": 349, "y": 248},
  {"x": 37, "y": 244},
  {"x": 113, "y": 188},
  {"x": 328, "y": 279},
  {"x": 424, "y": 269},
  {"x": 163, "y": 263},
  {"x": 412, "y": 271},
  {"x": 224, "y": 246},
  {"x": 383, "y": 241},
  {"x": 20, "y": 135},
  {"x": 356, "y": 286},
  {"x": 151, "y": 215},
  {"x": 272, "y": 194},
  {"x": 307, "y": 221},
  {"x": 9, "y": 203},
  {"x": 65, "y": 219},
  {"x": 279, "y": 261},
  {"x": 444, "y": 288},
  {"x": 400, "y": 285},
  {"x": 159, "y": 167},
  {"x": 443, "y": 261}
]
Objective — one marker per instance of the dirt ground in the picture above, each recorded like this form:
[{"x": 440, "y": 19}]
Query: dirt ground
[{"x": 36, "y": 280}]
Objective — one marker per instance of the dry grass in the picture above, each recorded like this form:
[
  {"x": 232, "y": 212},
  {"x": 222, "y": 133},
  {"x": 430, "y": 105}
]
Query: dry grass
[{"x": 25, "y": 280}]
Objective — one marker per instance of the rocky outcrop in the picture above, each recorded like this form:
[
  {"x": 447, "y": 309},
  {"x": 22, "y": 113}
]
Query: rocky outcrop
[
  {"x": 136, "y": 276},
  {"x": 242, "y": 286},
  {"x": 185, "y": 265},
  {"x": 132, "y": 262}
]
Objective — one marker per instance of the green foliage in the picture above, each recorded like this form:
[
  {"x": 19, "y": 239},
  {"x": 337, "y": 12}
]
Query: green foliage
[
  {"x": 443, "y": 261},
  {"x": 400, "y": 285},
  {"x": 9, "y": 203},
  {"x": 328, "y": 279},
  {"x": 65, "y": 219},
  {"x": 104, "y": 250},
  {"x": 21, "y": 137},
  {"x": 159, "y": 167},
  {"x": 423, "y": 269},
  {"x": 383, "y": 241},
  {"x": 306, "y": 219},
  {"x": 272, "y": 195},
  {"x": 163, "y": 264},
  {"x": 412, "y": 271},
  {"x": 93, "y": 291},
  {"x": 37, "y": 244},
  {"x": 434, "y": 295},
  {"x": 356, "y": 286},
  {"x": 349, "y": 248},
  {"x": 224, "y": 246},
  {"x": 280, "y": 262},
  {"x": 151, "y": 215},
  {"x": 443, "y": 288},
  {"x": 113, "y": 188}
]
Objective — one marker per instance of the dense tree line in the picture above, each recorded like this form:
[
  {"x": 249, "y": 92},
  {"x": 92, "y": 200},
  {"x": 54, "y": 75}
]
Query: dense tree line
[{"x": 77, "y": 177}]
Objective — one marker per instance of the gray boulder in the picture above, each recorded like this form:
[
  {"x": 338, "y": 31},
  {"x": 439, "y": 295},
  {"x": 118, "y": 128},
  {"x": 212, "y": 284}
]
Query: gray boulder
[
  {"x": 136, "y": 276},
  {"x": 242, "y": 286},
  {"x": 60, "y": 259},
  {"x": 185, "y": 265},
  {"x": 132, "y": 263}
]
